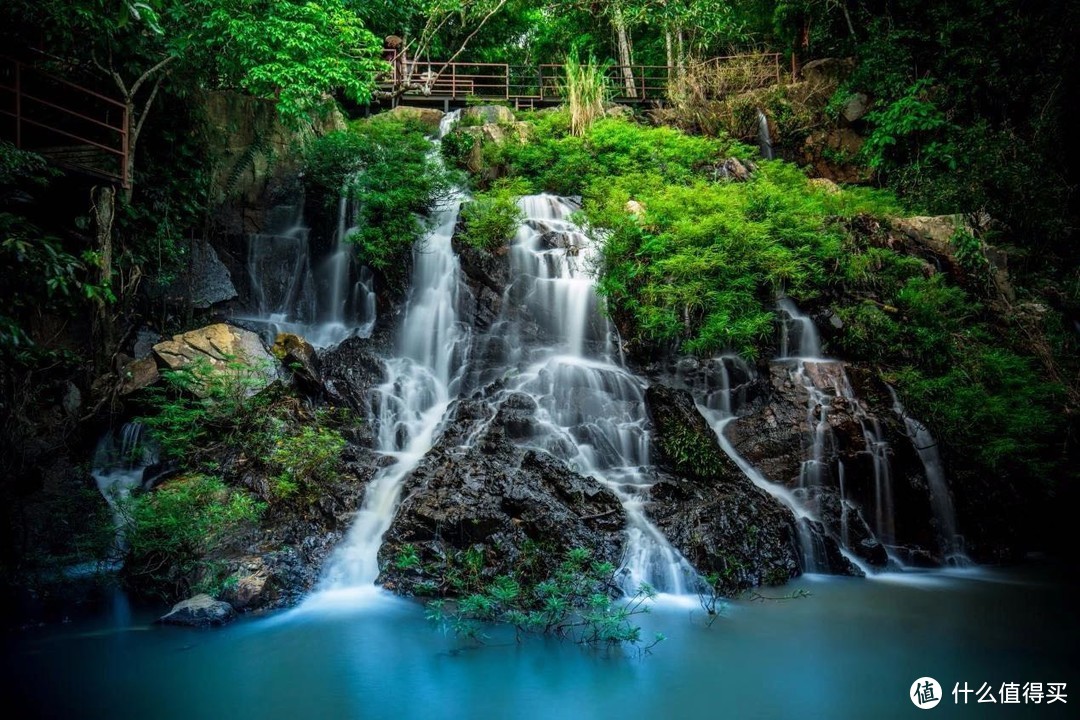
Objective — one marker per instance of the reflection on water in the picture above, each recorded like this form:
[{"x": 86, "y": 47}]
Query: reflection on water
[{"x": 849, "y": 650}]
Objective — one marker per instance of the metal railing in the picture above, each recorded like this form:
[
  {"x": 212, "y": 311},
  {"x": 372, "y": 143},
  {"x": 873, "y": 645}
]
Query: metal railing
[
  {"x": 542, "y": 83},
  {"x": 65, "y": 122}
]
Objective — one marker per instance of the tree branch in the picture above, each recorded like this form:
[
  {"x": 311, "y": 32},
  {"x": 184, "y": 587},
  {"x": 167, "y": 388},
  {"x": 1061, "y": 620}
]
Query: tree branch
[{"x": 146, "y": 75}]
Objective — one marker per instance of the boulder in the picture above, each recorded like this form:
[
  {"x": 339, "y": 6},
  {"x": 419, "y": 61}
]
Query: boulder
[
  {"x": 833, "y": 153},
  {"x": 250, "y": 586},
  {"x": 734, "y": 169},
  {"x": 349, "y": 373},
  {"x": 498, "y": 500},
  {"x": 829, "y": 72},
  {"x": 707, "y": 507},
  {"x": 855, "y": 107},
  {"x": 825, "y": 185},
  {"x": 429, "y": 117},
  {"x": 298, "y": 355},
  {"x": 488, "y": 114},
  {"x": 635, "y": 208},
  {"x": 220, "y": 345},
  {"x": 138, "y": 374},
  {"x": 200, "y": 611}
]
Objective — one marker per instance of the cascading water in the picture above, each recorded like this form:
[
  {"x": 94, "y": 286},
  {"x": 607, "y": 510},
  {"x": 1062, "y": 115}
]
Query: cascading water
[
  {"x": 288, "y": 295},
  {"x": 764, "y": 138},
  {"x": 952, "y": 544},
  {"x": 120, "y": 464},
  {"x": 559, "y": 348},
  {"x": 420, "y": 383},
  {"x": 719, "y": 406}
]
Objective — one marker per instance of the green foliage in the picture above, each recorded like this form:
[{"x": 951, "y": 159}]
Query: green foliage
[
  {"x": 385, "y": 164},
  {"x": 574, "y": 602},
  {"x": 41, "y": 275},
  {"x": 492, "y": 216},
  {"x": 456, "y": 147},
  {"x": 200, "y": 407},
  {"x": 306, "y": 458},
  {"x": 173, "y": 531}
]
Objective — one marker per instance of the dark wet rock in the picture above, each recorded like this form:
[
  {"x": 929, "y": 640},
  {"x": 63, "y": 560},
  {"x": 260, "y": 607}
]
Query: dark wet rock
[
  {"x": 516, "y": 507},
  {"x": 777, "y": 435},
  {"x": 251, "y": 586},
  {"x": 349, "y": 372},
  {"x": 487, "y": 273},
  {"x": 200, "y": 611},
  {"x": 708, "y": 509}
]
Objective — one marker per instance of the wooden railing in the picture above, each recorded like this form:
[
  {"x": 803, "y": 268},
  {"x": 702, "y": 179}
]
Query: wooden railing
[
  {"x": 542, "y": 83},
  {"x": 66, "y": 122}
]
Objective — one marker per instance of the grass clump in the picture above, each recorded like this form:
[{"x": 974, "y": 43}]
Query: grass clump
[{"x": 585, "y": 87}]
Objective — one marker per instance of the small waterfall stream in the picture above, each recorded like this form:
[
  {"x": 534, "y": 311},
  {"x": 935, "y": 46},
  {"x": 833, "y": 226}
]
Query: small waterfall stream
[
  {"x": 952, "y": 544},
  {"x": 323, "y": 304},
  {"x": 560, "y": 349},
  {"x": 120, "y": 464},
  {"x": 409, "y": 406}
]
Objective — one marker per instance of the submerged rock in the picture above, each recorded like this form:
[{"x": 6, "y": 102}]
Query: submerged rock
[{"x": 199, "y": 611}]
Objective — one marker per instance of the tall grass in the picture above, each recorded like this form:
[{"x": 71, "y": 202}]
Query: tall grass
[{"x": 585, "y": 88}]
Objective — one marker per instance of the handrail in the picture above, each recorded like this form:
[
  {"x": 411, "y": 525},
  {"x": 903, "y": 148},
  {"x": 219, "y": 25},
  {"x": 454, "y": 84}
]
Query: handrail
[
  {"x": 78, "y": 107},
  {"x": 630, "y": 83}
]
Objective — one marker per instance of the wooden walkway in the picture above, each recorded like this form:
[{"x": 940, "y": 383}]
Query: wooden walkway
[{"x": 425, "y": 82}]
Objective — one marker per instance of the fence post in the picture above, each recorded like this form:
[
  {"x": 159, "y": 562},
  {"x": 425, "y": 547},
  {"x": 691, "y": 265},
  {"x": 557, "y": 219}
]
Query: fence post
[{"x": 506, "y": 71}]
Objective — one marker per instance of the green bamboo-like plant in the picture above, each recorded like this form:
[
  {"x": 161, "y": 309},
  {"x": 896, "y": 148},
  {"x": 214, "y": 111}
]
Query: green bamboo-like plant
[{"x": 585, "y": 88}]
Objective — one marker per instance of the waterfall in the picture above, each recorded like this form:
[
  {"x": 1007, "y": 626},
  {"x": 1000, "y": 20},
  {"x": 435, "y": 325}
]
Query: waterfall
[
  {"x": 952, "y": 544},
  {"x": 120, "y": 463},
  {"x": 559, "y": 348},
  {"x": 421, "y": 381},
  {"x": 326, "y": 304},
  {"x": 764, "y": 139}
]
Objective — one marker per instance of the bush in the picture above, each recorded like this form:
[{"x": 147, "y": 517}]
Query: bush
[
  {"x": 174, "y": 531},
  {"x": 492, "y": 217},
  {"x": 199, "y": 408},
  {"x": 385, "y": 163},
  {"x": 575, "y": 602}
]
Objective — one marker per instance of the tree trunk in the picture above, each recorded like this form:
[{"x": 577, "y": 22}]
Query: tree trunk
[
  {"x": 670, "y": 54},
  {"x": 623, "y": 41},
  {"x": 680, "y": 57},
  {"x": 103, "y": 209}
]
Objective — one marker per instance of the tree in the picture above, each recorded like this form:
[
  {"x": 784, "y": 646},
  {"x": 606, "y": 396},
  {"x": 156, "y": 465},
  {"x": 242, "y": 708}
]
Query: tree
[{"x": 293, "y": 52}]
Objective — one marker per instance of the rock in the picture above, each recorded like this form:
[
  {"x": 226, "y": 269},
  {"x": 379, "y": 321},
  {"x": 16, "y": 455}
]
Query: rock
[
  {"x": 933, "y": 232},
  {"x": 488, "y": 114},
  {"x": 429, "y": 117},
  {"x": 220, "y": 345},
  {"x": 200, "y": 611},
  {"x": 250, "y": 586},
  {"x": 829, "y": 72},
  {"x": 72, "y": 400},
  {"x": 832, "y": 155},
  {"x": 708, "y": 509},
  {"x": 498, "y": 500},
  {"x": 615, "y": 110},
  {"x": 208, "y": 280},
  {"x": 298, "y": 355},
  {"x": 826, "y": 185},
  {"x": 635, "y": 208},
  {"x": 734, "y": 169},
  {"x": 145, "y": 340},
  {"x": 349, "y": 372},
  {"x": 138, "y": 374},
  {"x": 855, "y": 107},
  {"x": 775, "y": 435}
]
